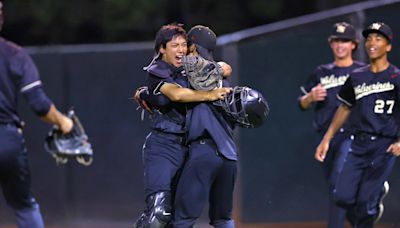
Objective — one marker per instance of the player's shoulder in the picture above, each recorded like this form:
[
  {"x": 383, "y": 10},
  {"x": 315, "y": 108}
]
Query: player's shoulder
[
  {"x": 326, "y": 66},
  {"x": 9, "y": 48},
  {"x": 160, "y": 69},
  {"x": 394, "y": 69},
  {"x": 362, "y": 69},
  {"x": 359, "y": 64}
]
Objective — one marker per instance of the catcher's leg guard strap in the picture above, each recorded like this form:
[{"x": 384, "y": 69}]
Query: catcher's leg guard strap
[{"x": 159, "y": 208}]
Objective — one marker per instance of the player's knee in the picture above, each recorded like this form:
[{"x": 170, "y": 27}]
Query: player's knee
[
  {"x": 342, "y": 199},
  {"x": 160, "y": 210}
]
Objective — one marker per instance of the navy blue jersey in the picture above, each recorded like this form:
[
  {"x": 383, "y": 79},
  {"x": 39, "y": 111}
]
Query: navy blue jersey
[
  {"x": 374, "y": 99},
  {"x": 203, "y": 119},
  {"x": 331, "y": 77},
  {"x": 18, "y": 73},
  {"x": 172, "y": 115}
]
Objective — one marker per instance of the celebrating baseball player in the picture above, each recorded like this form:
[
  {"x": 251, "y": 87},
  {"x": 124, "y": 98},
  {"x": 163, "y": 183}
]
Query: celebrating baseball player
[
  {"x": 210, "y": 170},
  {"x": 370, "y": 94},
  {"x": 18, "y": 74},
  {"x": 165, "y": 148},
  {"x": 321, "y": 88}
]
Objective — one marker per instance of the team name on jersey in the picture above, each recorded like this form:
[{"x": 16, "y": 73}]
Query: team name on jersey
[
  {"x": 365, "y": 90},
  {"x": 330, "y": 81}
]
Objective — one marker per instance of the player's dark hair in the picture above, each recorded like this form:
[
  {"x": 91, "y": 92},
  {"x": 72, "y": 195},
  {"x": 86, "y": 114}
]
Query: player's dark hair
[{"x": 167, "y": 33}]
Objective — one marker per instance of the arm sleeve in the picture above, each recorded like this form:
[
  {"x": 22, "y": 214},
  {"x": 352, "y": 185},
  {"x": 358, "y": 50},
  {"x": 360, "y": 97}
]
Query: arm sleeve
[
  {"x": 155, "y": 100},
  {"x": 310, "y": 82},
  {"x": 38, "y": 101},
  {"x": 28, "y": 82},
  {"x": 346, "y": 94}
]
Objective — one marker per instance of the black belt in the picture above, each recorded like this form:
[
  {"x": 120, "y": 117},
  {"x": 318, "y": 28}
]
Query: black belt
[
  {"x": 366, "y": 135},
  {"x": 204, "y": 141},
  {"x": 177, "y": 137}
]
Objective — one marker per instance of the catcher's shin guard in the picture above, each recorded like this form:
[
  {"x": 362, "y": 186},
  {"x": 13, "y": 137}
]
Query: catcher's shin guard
[{"x": 158, "y": 213}]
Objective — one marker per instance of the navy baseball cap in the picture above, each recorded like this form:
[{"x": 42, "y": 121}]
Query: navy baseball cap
[
  {"x": 381, "y": 28},
  {"x": 343, "y": 30},
  {"x": 204, "y": 39}
]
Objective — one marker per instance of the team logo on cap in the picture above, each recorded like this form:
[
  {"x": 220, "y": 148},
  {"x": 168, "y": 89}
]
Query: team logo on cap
[
  {"x": 376, "y": 26},
  {"x": 340, "y": 28}
]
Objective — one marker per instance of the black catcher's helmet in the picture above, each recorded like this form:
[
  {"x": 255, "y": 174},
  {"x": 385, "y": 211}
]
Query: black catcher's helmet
[{"x": 245, "y": 106}]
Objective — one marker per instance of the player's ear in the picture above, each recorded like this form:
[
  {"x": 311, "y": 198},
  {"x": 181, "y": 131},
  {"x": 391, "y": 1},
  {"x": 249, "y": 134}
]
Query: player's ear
[
  {"x": 388, "y": 47},
  {"x": 353, "y": 46},
  {"x": 162, "y": 50}
]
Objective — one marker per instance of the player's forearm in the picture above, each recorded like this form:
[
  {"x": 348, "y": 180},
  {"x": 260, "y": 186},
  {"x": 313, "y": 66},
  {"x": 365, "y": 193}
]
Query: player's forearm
[
  {"x": 53, "y": 116},
  {"x": 187, "y": 95},
  {"x": 341, "y": 115},
  {"x": 184, "y": 95},
  {"x": 306, "y": 101}
]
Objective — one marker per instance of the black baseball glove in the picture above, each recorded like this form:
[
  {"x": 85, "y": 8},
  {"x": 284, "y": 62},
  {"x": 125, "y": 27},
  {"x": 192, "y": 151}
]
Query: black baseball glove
[
  {"x": 202, "y": 74},
  {"x": 74, "y": 144}
]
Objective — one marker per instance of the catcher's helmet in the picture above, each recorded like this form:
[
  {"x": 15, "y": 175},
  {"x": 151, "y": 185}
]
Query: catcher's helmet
[{"x": 245, "y": 106}]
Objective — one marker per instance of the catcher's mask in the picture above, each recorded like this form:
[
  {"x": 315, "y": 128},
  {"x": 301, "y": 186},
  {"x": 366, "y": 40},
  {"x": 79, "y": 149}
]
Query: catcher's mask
[{"x": 245, "y": 106}]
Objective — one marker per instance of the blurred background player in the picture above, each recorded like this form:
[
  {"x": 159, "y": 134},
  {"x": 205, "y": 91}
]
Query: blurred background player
[
  {"x": 18, "y": 74},
  {"x": 321, "y": 88},
  {"x": 165, "y": 149},
  {"x": 370, "y": 95}
]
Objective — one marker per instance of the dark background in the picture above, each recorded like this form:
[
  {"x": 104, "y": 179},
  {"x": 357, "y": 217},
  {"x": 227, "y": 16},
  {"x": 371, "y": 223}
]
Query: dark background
[
  {"x": 46, "y": 22},
  {"x": 279, "y": 181}
]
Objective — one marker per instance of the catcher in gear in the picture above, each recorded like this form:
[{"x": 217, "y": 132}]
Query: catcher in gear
[
  {"x": 75, "y": 144},
  {"x": 165, "y": 150}
]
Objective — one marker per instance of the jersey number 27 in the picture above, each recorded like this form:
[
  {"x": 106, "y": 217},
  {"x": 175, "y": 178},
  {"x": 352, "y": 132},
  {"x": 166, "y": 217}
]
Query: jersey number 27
[{"x": 381, "y": 106}]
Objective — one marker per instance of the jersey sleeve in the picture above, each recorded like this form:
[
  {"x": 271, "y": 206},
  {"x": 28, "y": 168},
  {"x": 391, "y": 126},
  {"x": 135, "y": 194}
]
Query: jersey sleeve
[
  {"x": 346, "y": 94},
  {"x": 158, "y": 100},
  {"x": 25, "y": 71},
  {"x": 155, "y": 83},
  {"x": 28, "y": 82},
  {"x": 310, "y": 82}
]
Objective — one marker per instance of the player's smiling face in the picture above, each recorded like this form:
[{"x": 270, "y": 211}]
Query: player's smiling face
[
  {"x": 342, "y": 48},
  {"x": 174, "y": 50},
  {"x": 377, "y": 45}
]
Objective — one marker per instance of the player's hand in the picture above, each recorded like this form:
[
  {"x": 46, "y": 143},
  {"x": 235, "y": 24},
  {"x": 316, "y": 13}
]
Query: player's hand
[
  {"x": 66, "y": 125},
  {"x": 219, "y": 93},
  {"x": 142, "y": 103},
  {"x": 394, "y": 149},
  {"x": 226, "y": 68},
  {"x": 322, "y": 149},
  {"x": 318, "y": 93}
]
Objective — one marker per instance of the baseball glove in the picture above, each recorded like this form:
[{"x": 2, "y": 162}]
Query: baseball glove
[
  {"x": 202, "y": 74},
  {"x": 75, "y": 144}
]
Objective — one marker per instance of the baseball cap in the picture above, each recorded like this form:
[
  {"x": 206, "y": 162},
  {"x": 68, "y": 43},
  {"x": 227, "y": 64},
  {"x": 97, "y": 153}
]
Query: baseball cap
[
  {"x": 204, "y": 39},
  {"x": 343, "y": 30},
  {"x": 381, "y": 28}
]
